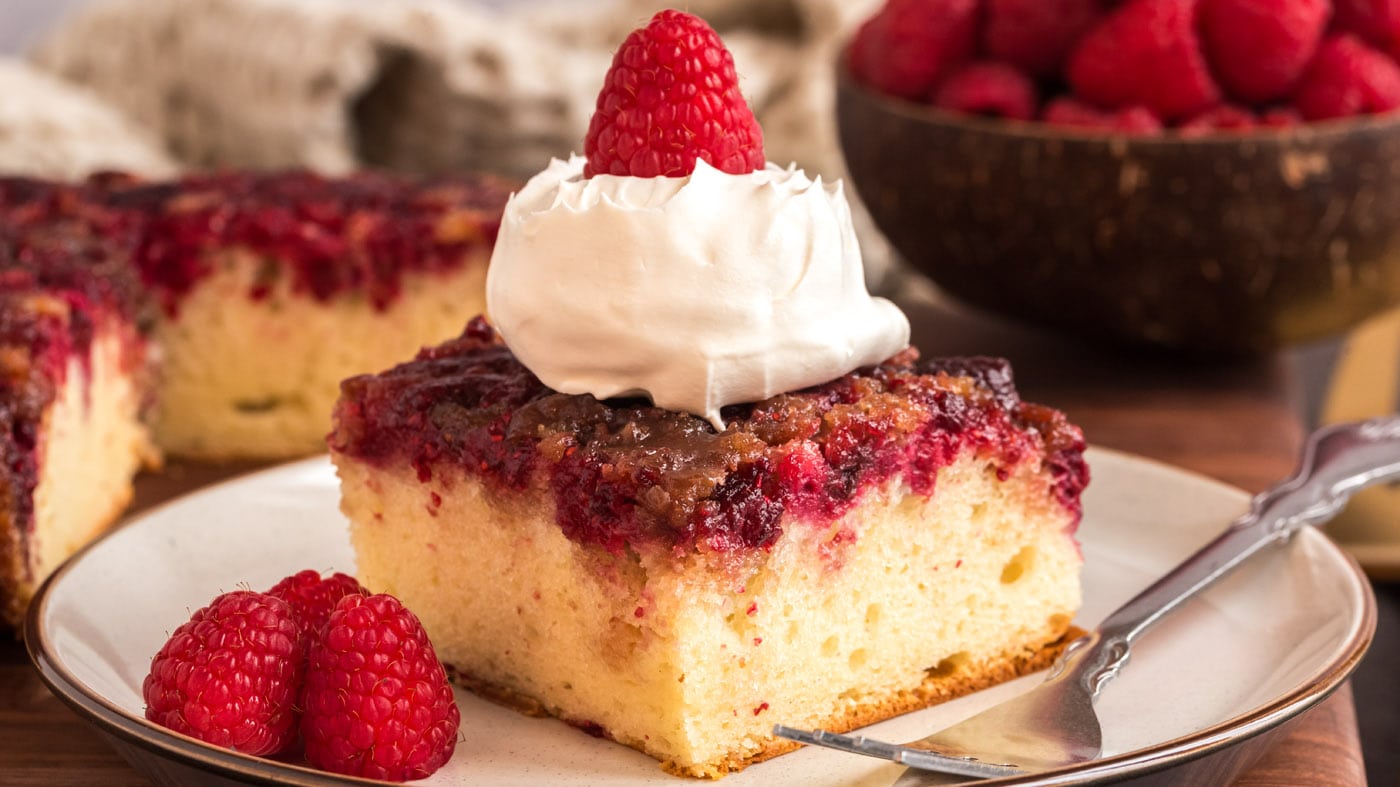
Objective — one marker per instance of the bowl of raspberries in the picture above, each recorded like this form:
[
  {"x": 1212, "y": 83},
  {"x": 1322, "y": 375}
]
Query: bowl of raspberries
[{"x": 1211, "y": 176}]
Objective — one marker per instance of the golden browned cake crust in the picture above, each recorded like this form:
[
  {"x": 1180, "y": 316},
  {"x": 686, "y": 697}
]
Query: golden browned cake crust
[{"x": 939, "y": 685}]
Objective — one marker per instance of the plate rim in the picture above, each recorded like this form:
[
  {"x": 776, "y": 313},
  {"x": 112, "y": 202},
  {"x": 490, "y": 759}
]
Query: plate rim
[
  {"x": 113, "y": 721},
  {"x": 110, "y": 720}
]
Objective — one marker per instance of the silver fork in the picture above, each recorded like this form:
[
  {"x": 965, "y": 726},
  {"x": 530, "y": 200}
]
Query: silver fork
[{"x": 1054, "y": 724}]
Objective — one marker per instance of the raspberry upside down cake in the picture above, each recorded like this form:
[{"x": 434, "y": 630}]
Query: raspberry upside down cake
[
  {"x": 255, "y": 295},
  {"x": 275, "y": 287},
  {"x": 699, "y": 484},
  {"x": 836, "y": 555}
]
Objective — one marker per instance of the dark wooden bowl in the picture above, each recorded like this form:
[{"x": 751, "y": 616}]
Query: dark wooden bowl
[{"x": 1222, "y": 245}]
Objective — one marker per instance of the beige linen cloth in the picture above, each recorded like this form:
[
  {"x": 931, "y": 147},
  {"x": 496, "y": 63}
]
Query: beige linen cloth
[
  {"x": 427, "y": 85},
  {"x": 52, "y": 129}
]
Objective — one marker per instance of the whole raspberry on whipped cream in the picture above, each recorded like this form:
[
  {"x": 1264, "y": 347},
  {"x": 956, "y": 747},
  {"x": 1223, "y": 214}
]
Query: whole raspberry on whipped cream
[{"x": 714, "y": 283}]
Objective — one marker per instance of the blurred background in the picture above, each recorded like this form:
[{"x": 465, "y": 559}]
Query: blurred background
[{"x": 26, "y": 19}]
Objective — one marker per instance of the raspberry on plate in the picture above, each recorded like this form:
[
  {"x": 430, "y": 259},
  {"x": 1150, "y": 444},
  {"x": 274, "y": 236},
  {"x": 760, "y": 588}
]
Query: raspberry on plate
[
  {"x": 1146, "y": 52},
  {"x": 910, "y": 44},
  {"x": 230, "y": 675},
  {"x": 1375, "y": 20},
  {"x": 1065, "y": 111},
  {"x": 672, "y": 96},
  {"x": 1346, "y": 78},
  {"x": 988, "y": 88},
  {"x": 1259, "y": 48},
  {"x": 377, "y": 702},
  {"x": 312, "y": 597},
  {"x": 1036, "y": 35}
]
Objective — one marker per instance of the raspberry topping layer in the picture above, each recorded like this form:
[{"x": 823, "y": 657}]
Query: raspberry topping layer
[
  {"x": 624, "y": 474},
  {"x": 358, "y": 233}
]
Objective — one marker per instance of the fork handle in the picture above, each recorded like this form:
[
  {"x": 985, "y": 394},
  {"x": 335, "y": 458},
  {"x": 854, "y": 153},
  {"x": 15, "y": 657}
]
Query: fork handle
[{"x": 1336, "y": 462}]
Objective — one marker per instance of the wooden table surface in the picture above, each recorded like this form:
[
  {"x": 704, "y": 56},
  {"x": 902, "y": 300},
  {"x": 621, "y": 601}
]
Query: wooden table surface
[{"x": 1239, "y": 422}]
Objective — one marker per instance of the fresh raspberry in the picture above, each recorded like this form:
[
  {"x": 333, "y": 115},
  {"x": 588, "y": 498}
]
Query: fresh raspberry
[
  {"x": 1222, "y": 118},
  {"x": 859, "y": 51},
  {"x": 312, "y": 597},
  {"x": 377, "y": 702},
  {"x": 1259, "y": 48},
  {"x": 1065, "y": 111},
  {"x": 1145, "y": 52},
  {"x": 988, "y": 88},
  {"x": 230, "y": 675},
  {"x": 1036, "y": 35},
  {"x": 905, "y": 48},
  {"x": 1346, "y": 78},
  {"x": 1375, "y": 20},
  {"x": 1280, "y": 117},
  {"x": 671, "y": 96},
  {"x": 1136, "y": 120}
]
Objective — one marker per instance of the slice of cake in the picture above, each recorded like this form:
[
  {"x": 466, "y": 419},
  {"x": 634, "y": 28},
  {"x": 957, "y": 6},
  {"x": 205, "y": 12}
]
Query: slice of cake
[
  {"x": 73, "y": 386},
  {"x": 836, "y": 555},
  {"x": 257, "y": 292},
  {"x": 699, "y": 484},
  {"x": 275, "y": 287}
]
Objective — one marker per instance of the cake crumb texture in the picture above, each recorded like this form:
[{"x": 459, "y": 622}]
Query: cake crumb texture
[
  {"x": 74, "y": 440},
  {"x": 259, "y": 378},
  {"x": 902, "y": 601}
]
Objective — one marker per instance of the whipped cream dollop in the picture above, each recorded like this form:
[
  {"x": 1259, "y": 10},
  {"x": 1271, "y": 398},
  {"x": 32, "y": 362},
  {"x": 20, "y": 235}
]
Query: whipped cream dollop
[{"x": 698, "y": 292}]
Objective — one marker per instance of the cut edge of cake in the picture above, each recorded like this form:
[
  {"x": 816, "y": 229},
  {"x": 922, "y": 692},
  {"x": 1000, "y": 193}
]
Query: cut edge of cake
[
  {"x": 246, "y": 378},
  {"x": 89, "y": 441},
  {"x": 572, "y": 624}
]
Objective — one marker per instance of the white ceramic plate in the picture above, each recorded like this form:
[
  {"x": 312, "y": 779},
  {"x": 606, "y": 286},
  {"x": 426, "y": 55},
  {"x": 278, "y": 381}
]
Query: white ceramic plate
[{"x": 1259, "y": 648}]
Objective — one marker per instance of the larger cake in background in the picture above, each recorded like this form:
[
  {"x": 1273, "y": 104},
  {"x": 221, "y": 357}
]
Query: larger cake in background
[
  {"x": 693, "y": 482},
  {"x": 74, "y": 372},
  {"x": 222, "y": 310},
  {"x": 274, "y": 287}
]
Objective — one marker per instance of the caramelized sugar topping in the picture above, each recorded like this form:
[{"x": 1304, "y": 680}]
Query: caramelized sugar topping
[
  {"x": 358, "y": 233},
  {"x": 624, "y": 474}
]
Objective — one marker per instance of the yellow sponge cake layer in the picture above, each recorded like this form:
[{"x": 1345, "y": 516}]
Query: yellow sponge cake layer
[
  {"x": 93, "y": 443},
  {"x": 904, "y": 601},
  {"x": 257, "y": 378}
]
